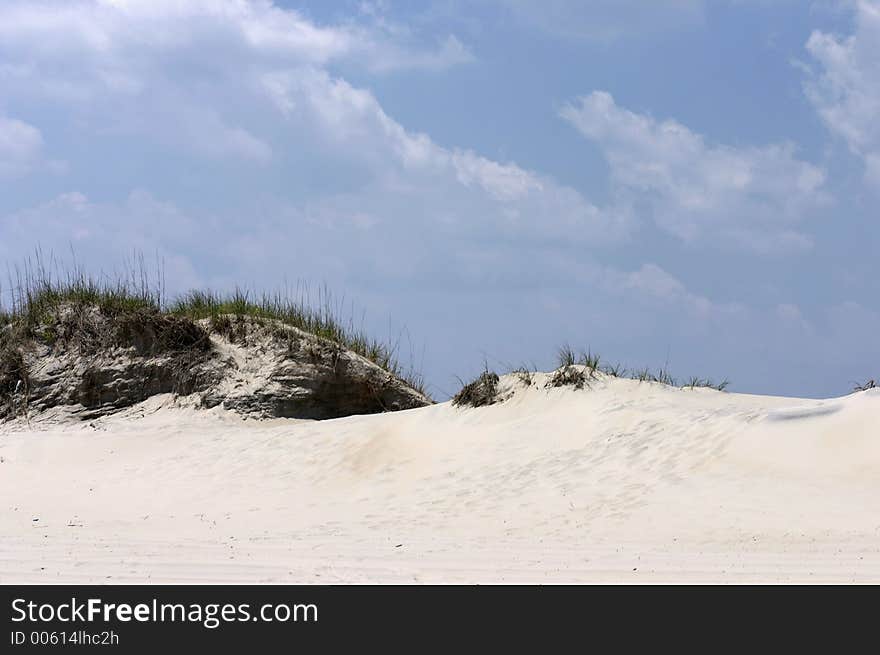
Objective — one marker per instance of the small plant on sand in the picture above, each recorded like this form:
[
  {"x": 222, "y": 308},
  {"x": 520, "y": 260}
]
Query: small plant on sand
[
  {"x": 524, "y": 375},
  {"x": 643, "y": 375},
  {"x": 665, "y": 377},
  {"x": 614, "y": 370},
  {"x": 707, "y": 383},
  {"x": 870, "y": 384},
  {"x": 574, "y": 371},
  {"x": 565, "y": 356},
  {"x": 480, "y": 392},
  {"x": 647, "y": 375},
  {"x": 568, "y": 376},
  {"x": 590, "y": 361}
]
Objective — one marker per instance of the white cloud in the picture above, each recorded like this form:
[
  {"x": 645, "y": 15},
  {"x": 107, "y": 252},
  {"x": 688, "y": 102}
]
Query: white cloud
[
  {"x": 20, "y": 146},
  {"x": 454, "y": 186},
  {"x": 245, "y": 83},
  {"x": 259, "y": 27},
  {"x": 754, "y": 196},
  {"x": 653, "y": 282},
  {"x": 505, "y": 182},
  {"x": 846, "y": 91},
  {"x": 182, "y": 73}
]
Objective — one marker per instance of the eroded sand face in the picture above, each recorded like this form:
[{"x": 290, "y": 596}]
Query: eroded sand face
[{"x": 624, "y": 482}]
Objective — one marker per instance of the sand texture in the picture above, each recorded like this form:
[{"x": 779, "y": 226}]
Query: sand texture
[{"x": 625, "y": 481}]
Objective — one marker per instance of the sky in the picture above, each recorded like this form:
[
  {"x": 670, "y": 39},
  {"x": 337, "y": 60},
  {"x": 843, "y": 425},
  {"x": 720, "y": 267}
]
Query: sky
[{"x": 691, "y": 183}]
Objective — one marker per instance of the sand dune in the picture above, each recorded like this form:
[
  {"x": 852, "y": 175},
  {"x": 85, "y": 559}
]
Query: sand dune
[{"x": 622, "y": 482}]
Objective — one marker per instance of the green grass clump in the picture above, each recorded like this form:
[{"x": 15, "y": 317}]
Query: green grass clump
[
  {"x": 614, "y": 370},
  {"x": 707, "y": 383},
  {"x": 663, "y": 376},
  {"x": 574, "y": 370},
  {"x": 37, "y": 300},
  {"x": 578, "y": 370}
]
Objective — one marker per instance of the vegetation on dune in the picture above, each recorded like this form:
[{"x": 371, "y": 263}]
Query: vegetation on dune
[
  {"x": 525, "y": 375},
  {"x": 479, "y": 392},
  {"x": 73, "y": 308},
  {"x": 575, "y": 370},
  {"x": 13, "y": 370},
  {"x": 578, "y": 370},
  {"x": 696, "y": 382}
]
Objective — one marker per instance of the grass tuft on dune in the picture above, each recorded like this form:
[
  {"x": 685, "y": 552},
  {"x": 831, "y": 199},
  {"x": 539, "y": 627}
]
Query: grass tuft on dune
[{"x": 575, "y": 370}]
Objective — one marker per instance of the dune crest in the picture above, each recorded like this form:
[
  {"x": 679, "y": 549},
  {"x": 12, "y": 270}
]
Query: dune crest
[{"x": 91, "y": 363}]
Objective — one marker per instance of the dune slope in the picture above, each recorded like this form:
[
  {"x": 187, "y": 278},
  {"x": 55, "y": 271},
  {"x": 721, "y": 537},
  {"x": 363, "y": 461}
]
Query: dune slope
[{"x": 622, "y": 482}]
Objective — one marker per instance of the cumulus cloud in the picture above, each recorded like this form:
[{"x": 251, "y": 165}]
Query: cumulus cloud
[
  {"x": 653, "y": 282},
  {"x": 249, "y": 85},
  {"x": 700, "y": 191},
  {"x": 846, "y": 89},
  {"x": 176, "y": 71},
  {"x": 20, "y": 146},
  {"x": 259, "y": 27},
  {"x": 454, "y": 187}
]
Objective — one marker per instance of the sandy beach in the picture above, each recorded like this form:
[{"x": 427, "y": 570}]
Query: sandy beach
[{"x": 624, "y": 482}]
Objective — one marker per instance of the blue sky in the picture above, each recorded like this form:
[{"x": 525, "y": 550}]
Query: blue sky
[{"x": 691, "y": 181}]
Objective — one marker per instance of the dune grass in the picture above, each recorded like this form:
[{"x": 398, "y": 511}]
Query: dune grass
[
  {"x": 578, "y": 369},
  {"x": 574, "y": 369},
  {"x": 525, "y": 375},
  {"x": 38, "y": 291},
  {"x": 479, "y": 392},
  {"x": 708, "y": 383},
  {"x": 320, "y": 319}
]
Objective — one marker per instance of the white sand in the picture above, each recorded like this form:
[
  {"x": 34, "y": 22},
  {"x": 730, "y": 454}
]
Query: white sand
[{"x": 626, "y": 482}]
